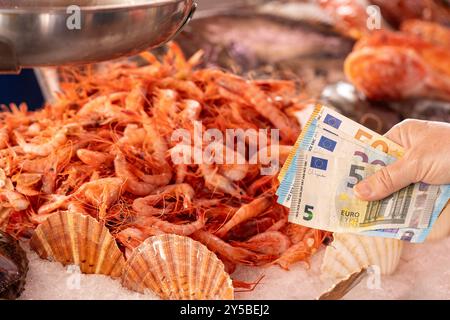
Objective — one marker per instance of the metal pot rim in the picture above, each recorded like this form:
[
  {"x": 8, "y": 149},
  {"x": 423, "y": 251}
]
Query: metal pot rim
[{"x": 104, "y": 7}]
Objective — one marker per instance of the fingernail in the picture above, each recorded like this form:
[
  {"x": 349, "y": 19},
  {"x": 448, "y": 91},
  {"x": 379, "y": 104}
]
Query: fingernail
[{"x": 363, "y": 190}]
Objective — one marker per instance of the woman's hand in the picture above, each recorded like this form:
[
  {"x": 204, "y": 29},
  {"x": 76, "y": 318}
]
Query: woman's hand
[{"x": 427, "y": 159}]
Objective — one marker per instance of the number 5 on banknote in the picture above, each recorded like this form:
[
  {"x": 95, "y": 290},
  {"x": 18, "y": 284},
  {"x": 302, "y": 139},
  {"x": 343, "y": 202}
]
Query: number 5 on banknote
[
  {"x": 324, "y": 183},
  {"x": 308, "y": 214},
  {"x": 354, "y": 174}
]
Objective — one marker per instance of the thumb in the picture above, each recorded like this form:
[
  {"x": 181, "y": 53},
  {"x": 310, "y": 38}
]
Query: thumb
[{"x": 386, "y": 181}]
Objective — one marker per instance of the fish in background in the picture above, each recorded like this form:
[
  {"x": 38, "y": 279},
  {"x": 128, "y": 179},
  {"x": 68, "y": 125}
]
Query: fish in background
[
  {"x": 248, "y": 40},
  {"x": 298, "y": 40},
  {"x": 406, "y": 72},
  {"x": 293, "y": 41},
  {"x": 355, "y": 18},
  {"x": 397, "y": 11},
  {"x": 395, "y": 66}
]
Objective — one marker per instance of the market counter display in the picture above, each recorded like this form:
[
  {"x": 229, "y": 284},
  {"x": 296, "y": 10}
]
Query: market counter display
[{"x": 163, "y": 175}]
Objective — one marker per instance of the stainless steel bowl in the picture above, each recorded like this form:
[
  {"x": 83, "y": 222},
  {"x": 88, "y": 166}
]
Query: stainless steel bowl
[{"x": 36, "y": 32}]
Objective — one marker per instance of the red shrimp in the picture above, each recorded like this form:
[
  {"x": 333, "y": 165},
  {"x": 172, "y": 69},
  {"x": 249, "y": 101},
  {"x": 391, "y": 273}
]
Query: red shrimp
[{"x": 246, "y": 212}]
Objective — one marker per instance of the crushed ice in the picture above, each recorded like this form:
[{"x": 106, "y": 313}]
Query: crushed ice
[{"x": 423, "y": 273}]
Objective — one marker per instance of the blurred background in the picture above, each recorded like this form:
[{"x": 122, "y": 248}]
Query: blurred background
[{"x": 309, "y": 41}]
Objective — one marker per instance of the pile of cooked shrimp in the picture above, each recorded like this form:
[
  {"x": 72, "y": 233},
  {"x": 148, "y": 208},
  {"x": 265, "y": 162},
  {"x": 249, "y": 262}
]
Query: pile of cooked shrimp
[{"x": 105, "y": 147}]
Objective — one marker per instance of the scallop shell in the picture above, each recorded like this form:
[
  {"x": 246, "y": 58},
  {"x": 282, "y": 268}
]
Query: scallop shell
[
  {"x": 73, "y": 238},
  {"x": 176, "y": 267},
  {"x": 441, "y": 228},
  {"x": 349, "y": 253}
]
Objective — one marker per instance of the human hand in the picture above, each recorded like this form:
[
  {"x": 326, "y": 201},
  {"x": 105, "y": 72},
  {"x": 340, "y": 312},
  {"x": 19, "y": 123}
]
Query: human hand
[{"x": 427, "y": 159}]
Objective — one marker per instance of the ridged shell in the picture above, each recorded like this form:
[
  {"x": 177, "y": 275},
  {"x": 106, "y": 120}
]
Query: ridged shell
[
  {"x": 76, "y": 239},
  {"x": 349, "y": 253},
  {"x": 441, "y": 228},
  {"x": 176, "y": 267}
]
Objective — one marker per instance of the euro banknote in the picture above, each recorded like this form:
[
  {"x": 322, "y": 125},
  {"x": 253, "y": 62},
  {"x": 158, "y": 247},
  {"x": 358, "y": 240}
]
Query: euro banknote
[
  {"x": 330, "y": 133},
  {"x": 321, "y": 139},
  {"x": 363, "y": 140},
  {"x": 323, "y": 197},
  {"x": 336, "y": 122}
]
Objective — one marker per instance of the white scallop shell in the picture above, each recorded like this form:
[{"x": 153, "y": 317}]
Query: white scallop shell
[
  {"x": 441, "y": 227},
  {"x": 176, "y": 267},
  {"x": 76, "y": 239},
  {"x": 349, "y": 253}
]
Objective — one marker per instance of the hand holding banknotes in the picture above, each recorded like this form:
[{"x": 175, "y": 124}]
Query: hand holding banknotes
[
  {"x": 343, "y": 177},
  {"x": 427, "y": 159}
]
